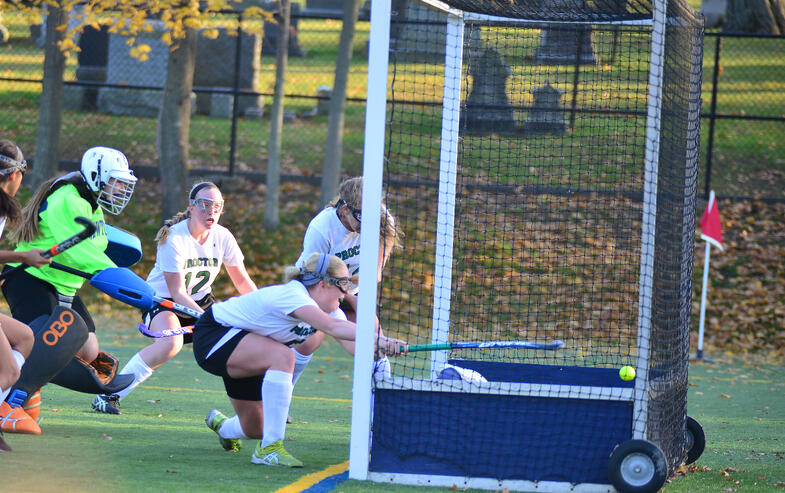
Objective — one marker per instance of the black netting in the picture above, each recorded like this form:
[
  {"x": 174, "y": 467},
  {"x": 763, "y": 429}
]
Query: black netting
[{"x": 528, "y": 223}]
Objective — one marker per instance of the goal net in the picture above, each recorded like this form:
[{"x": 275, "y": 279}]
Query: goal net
[{"x": 541, "y": 158}]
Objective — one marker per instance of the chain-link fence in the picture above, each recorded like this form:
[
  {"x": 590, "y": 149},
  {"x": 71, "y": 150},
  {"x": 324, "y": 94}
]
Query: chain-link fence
[{"x": 112, "y": 99}]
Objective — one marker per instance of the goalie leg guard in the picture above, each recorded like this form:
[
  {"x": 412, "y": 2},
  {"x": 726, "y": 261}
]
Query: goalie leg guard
[
  {"x": 58, "y": 337},
  {"x": 97, "y": 377}
]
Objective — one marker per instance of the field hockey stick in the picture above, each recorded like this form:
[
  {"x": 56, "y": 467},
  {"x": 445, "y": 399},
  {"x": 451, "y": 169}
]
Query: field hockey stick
[
  {"x": 88, "y": 231},
  {"x": 549, "y": 346},
  {"x": 175, "y": 331},
  {"x": 124, "y": 285}
]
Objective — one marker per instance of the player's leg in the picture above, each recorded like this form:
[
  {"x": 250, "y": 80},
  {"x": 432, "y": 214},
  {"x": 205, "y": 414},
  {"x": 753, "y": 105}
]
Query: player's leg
[
  {"x": 145, "y": 362},
  {"x": 277, "y": 365}
]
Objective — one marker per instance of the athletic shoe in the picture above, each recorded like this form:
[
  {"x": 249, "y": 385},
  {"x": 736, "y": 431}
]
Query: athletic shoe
[
  {"x": 214, "y": 420},
  {"x": 106, "y": 404},
  {"x": 289, "y": 419},
  {"x": 15, "y": 420},
  {"x": 33, "y": 405},
  {"x": 274, "y": 455}
]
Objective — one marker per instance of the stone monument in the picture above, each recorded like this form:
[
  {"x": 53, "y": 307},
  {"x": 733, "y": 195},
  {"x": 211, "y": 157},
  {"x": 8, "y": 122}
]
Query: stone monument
[
  {"x": 488, "y": 108},
  {"x": 547, "y": 114},
  {"x": 566, "y": 45},
  {"x": 215, "y": 68}
]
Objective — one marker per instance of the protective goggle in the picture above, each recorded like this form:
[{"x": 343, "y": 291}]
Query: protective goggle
[
  {"x": 356, "y": 213},
  {"x": 208, "y": 205},
  {"x": 345, "y": 284},
  {"x": 15, "y": 165}
]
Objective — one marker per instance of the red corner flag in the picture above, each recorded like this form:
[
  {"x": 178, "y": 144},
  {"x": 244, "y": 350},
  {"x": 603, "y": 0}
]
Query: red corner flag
[{"x": 711, "y": 224}]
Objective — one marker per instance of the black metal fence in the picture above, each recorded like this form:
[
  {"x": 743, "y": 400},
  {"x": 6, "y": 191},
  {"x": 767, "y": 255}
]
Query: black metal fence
[{"x": 112, "y": 99}]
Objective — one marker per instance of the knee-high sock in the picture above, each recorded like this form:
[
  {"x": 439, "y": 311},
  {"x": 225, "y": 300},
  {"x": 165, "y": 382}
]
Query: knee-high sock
[
  {"x": 20, "y": 360},
  {"x": 300, "y": 363},
  {"x": 232, "y": 430},
  {"x": 276, "y": 397},
  {"x": 140, "y": 371}
]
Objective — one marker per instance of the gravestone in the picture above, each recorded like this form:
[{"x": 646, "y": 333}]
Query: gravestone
[
  {"x": 92, "y": 58},
  {"x": 325, "y": 7},
  {"x": 418, "y": 32},
  {"x": 121, "y": 69},
  {"x": 566, "y": 45},
  {"x": 215, "y": 68},
  {"x": 714, "y": 12},
  {"x": 547, "y": 114},
  {"x": 270, "y": 42},
  {"x": 488, "y": 108}
]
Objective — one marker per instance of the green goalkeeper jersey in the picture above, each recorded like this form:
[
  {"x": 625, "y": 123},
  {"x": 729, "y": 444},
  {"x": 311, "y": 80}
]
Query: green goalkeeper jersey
[{"x": 56, "y": 223}]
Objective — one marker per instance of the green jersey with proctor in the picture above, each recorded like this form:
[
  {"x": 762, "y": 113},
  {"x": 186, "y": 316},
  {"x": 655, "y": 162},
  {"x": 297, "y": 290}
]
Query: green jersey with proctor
[{"x": 56, "y": 223}]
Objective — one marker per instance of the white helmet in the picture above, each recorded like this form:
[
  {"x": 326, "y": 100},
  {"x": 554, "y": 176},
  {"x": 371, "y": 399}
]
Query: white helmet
[{"x": 106, "y": 173}]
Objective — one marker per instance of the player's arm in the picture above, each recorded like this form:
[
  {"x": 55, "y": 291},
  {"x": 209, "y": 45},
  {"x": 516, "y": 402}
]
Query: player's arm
[
  {"x": 341, "y": 329},
  {"x": 175, "y": 281},
  {"x": 32, "y": 257},
  {"x": 240, "y": 278}
]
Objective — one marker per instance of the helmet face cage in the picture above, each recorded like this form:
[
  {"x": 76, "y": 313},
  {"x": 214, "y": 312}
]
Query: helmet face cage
[
  {"x": 106, "y": 173},
  {"x": 114, "y": 196}
]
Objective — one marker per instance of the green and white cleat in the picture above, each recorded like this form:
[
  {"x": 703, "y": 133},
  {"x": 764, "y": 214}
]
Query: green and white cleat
[
  {"x": 274, "y": 455},
  {"x": 214, "y": 420}
]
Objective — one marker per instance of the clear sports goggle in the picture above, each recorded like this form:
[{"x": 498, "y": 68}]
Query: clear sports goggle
[{"x": 208, "y": 205}]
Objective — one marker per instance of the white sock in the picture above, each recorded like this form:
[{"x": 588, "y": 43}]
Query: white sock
[
  {"x": 276, "y": 397},
  {"x": 20, "y": 360},
  {"x": 382, "y": 366},
  {"x": 231, "y": 429},
  {"x": 300, "y": 363},
  {"x": 139, "y": 369}
]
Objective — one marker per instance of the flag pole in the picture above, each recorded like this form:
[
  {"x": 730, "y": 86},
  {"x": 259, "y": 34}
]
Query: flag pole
[
  {"x": 702, "y": 322},
  {"x": 712, "y": 233}
]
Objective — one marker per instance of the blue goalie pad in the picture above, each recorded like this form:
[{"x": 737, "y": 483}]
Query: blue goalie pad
[
  {"x": 124, "y": 248},
  {"x": 124, "y": 285}
]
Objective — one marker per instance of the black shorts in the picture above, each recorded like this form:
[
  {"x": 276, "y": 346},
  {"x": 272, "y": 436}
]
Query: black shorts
[
  {"x": 204, "y": 304},
  {"x": 207, "y": 333},
  {"x": 29, "y": 297}
]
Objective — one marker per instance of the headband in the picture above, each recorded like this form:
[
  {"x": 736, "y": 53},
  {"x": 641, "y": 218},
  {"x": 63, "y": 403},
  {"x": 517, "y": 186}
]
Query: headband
[
  {"x": 198, "y": 187},
  {"x": 309, "y": 278},
  {"x": 15, "y": 165}
]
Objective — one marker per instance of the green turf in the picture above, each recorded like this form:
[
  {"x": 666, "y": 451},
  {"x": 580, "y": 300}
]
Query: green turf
[{"x": 161, "y": 443}]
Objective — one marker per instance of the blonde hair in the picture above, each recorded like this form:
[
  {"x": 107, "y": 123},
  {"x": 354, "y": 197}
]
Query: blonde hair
[
  {"x": 333, "y": 267},
  {"x": 163, "y": 233},
  {"x": 390, "y": 235},
  {"x": 27, "y": 229},
  {"x": 351, "y": 192}
]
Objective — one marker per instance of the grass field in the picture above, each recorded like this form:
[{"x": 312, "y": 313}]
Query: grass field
[{"x": 161, "y": 443}]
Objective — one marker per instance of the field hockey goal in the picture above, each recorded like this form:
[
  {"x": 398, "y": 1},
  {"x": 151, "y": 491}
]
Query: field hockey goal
[{"x": 541, "y": 158}]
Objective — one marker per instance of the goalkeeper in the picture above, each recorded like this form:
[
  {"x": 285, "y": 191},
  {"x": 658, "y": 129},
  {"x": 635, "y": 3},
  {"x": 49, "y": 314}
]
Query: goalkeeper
[{"x": 65, "y": 349}]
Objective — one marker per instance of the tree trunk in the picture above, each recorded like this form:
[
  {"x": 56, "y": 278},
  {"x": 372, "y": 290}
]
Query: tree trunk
[
  {"x": 47, "y": 143},
  {"x": 271, "y": 216},
  {"x": 174, "y": 122},
  {"x": 333, "y": 154},
  {"x": 755, "y": 16}
]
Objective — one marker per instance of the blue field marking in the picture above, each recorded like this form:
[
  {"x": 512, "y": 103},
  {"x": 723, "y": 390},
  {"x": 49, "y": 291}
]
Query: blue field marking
[{"x": 319, "y": 482}]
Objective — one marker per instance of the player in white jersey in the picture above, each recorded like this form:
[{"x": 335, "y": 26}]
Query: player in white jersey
[
  {"x": 16, "y": 338},
  {"x": 192, "y": 246},
  {"x": 336, "y": 231},
  {"x": 246, "y": 341}
]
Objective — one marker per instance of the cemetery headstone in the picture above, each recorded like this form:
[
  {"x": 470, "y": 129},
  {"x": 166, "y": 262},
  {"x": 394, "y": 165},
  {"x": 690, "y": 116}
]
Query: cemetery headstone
[
  {"x": 547, "y": 114},
  {"x": 488, "y": 108},
  {"x": 215, "y": 68}
]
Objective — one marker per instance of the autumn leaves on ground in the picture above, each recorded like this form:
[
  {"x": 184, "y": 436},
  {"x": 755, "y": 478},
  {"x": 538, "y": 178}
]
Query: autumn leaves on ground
[{"x": 746, "y": 296}]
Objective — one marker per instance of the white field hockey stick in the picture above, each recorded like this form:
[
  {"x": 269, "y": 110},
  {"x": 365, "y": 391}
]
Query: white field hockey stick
[
  {"x": 549, "y": 346},
  {"x": 87, "y": 232}
]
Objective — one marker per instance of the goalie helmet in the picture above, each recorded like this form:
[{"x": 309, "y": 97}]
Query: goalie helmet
[{"x": 108, "y": 176}]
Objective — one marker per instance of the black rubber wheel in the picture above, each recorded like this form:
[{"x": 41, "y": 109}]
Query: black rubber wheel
[
  {"x": 637, "y": 466},
  {"x": 695, "y": 440}
]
